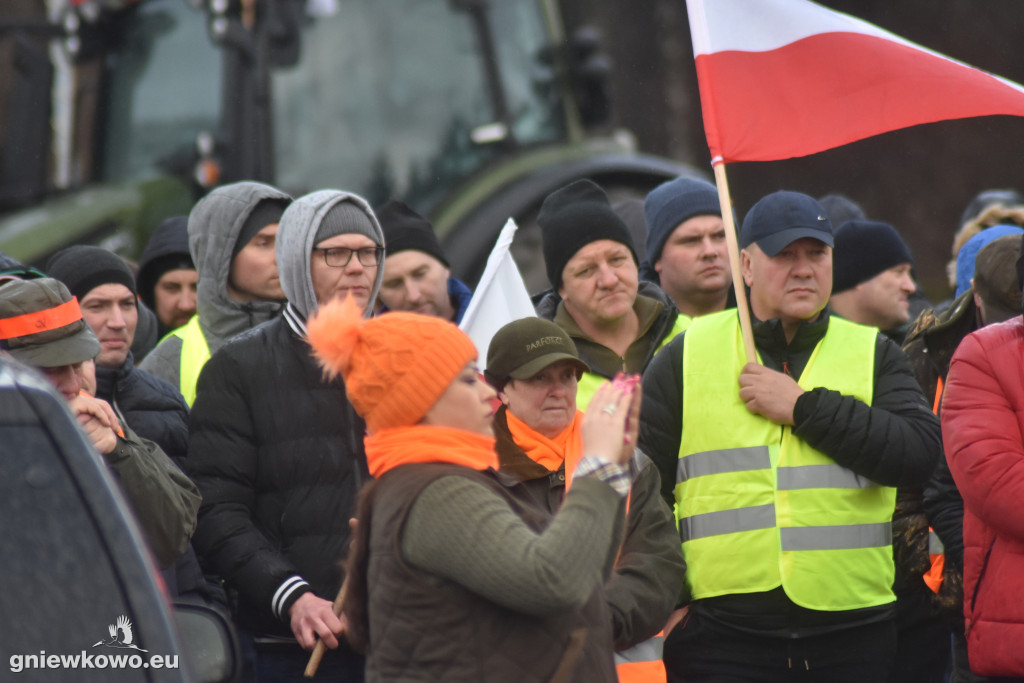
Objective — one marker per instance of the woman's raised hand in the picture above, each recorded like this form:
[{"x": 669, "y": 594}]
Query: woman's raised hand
[{"x": 612, "y": 419}]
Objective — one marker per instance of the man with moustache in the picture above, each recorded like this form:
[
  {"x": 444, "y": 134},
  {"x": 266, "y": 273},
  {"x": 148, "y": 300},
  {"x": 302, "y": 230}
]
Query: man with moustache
[
  {"x": 277, "y": 450},
  {"x": 783, "y": 472}
]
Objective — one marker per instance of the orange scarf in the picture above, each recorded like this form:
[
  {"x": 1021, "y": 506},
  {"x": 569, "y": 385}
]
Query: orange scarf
[
  {"x": 567, "y": 446},
  {"x": 390, "y": 448}
]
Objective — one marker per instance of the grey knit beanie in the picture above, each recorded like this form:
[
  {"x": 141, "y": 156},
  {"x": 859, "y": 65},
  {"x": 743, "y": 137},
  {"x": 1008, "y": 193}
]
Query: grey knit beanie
[
  {"x": 671, "y": 203},
  {"x": 345, "y": 218}
]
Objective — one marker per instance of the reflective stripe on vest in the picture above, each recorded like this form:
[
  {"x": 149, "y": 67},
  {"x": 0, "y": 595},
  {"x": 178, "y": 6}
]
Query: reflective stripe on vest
[
  {"x": 642, "y": 663},
  {"x": 194, "y": 354},
  {"x": 758, "y": 508},
  {"x": 591, "y": 382}
]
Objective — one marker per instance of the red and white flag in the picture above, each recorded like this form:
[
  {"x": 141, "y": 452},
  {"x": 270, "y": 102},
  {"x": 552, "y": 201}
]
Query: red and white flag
[{"x": 786, "y": 78}]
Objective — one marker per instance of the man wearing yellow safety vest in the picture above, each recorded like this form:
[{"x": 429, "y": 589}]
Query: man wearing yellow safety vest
[
  {"x": 783, "y": 473},
  {"x": 232, "y": 232},
  {"x": 616, "y": 322}
]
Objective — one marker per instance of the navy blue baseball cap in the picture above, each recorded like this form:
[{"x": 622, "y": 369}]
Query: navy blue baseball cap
[{"x": 783, "y": 217}]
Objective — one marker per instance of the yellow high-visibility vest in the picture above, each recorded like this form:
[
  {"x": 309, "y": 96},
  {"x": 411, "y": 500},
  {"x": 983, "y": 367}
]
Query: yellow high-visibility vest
[
  {"x": 194, "y": 354},
  {"x": 758, "y": 508}
]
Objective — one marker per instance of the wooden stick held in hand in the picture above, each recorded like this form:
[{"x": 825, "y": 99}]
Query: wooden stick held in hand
[{"x": 320, "y": 649}]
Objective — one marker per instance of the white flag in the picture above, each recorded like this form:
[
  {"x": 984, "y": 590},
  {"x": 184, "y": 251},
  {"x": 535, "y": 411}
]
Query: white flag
[{"x": 500, "y": 298}]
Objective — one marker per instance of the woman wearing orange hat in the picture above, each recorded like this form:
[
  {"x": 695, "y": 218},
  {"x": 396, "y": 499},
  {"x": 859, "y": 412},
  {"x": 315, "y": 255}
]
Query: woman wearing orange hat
[{"x": 451, "y": 578}]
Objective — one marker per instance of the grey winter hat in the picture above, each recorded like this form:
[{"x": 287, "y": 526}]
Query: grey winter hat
[
  {"x": 675, "y": 202},
  {"x": 41, "y": 324},
  {"x": 345, "y": 218}
]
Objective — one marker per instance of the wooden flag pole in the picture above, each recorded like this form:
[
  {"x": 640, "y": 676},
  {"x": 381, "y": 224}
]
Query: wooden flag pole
[
  {"x": 318, "y": 652},
  {"x": 733, "y": 243}
]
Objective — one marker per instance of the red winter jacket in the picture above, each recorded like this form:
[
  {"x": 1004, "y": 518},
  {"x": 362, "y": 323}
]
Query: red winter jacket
[{"x": 983, "y": 432}]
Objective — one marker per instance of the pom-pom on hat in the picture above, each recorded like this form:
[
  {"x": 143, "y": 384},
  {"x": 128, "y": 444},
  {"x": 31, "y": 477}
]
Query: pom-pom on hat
[{"x": 395, "y": 366}]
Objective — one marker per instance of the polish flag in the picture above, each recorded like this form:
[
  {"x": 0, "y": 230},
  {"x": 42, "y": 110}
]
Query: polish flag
[{"x": 787, "y": 78}]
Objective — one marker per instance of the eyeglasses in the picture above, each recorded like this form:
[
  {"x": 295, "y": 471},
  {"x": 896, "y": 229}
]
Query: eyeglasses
[{"x": 339, "y": 257}]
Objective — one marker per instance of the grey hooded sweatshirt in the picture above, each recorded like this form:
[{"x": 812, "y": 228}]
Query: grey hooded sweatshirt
[
  {"x": 213, "y": 228},
  {"x": 297, "y": 237}
]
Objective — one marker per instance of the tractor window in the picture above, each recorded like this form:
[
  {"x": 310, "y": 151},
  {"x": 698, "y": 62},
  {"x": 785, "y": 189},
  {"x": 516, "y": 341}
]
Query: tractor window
[
  {"x": 164, "y": 88},
  {"x": 406, "y": 98}
]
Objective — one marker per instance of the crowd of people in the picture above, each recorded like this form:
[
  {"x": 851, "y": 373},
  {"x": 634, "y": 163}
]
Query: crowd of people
[{"x": 622, "y": 489}]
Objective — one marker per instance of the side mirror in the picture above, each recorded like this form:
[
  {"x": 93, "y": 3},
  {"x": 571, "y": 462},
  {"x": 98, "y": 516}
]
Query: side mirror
[{"x": 209, "y": 643}]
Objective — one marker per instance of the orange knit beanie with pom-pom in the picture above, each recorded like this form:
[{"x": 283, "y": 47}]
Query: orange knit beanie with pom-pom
[{"x": 395, "y": 366}]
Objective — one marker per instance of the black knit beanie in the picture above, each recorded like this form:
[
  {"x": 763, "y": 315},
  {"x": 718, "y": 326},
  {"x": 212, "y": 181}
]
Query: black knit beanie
[
  {"x": 82, "y": 268},
  {"x": 571, "y": 218},
  {"x": 404, "y": 229},
  {"x": 863, "y": 249},
  {"x": 166, "y": 250},
  {"x": 265, "y": 212}
]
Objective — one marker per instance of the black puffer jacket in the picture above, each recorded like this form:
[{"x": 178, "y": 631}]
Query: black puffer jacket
[
  {"x": 151, "y": 406},
  {"x": 277, "y": 453}
]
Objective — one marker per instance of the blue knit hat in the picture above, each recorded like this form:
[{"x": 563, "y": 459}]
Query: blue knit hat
[
  {"x": 671, "y": 203},
  {"x": 968, "y": 253}
]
